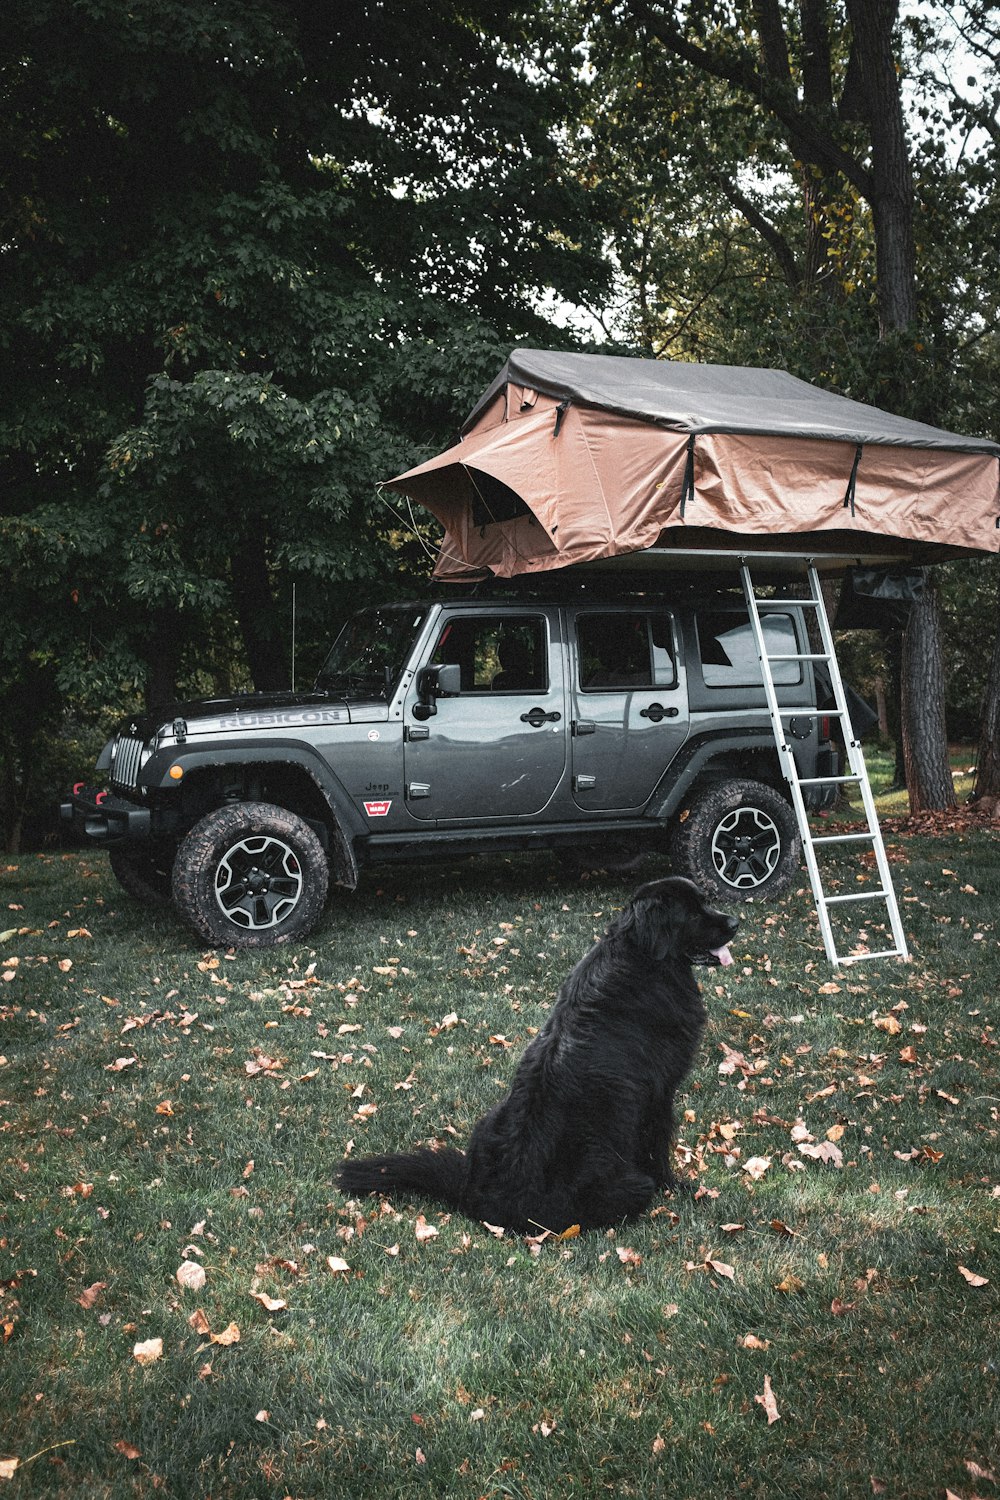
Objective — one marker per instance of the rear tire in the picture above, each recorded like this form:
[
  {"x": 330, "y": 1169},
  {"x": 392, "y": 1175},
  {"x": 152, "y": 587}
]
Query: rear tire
[
  {"x": 144, "y": 875},
  {"x": 250, "y": 875},
  {"x": 740, "y": 839}
]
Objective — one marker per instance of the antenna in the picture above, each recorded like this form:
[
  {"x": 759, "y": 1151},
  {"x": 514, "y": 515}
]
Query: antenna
[{"x": 293, "y": 637}]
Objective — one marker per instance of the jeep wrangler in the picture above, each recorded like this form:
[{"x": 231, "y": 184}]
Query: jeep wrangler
[{"x": 466, "y": 726}]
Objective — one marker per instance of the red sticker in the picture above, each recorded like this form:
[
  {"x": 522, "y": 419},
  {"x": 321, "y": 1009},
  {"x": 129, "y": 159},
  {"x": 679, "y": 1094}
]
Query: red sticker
[{"x": 377, "y": 809}]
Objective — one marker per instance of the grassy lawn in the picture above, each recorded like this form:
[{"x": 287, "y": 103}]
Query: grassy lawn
[{"x": 162, "y": 1106}]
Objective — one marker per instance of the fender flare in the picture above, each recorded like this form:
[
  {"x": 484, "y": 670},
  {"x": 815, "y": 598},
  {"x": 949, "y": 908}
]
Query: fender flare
[
  {"x": 692, "y": 759},
  {"x": 345, "y": 822}
]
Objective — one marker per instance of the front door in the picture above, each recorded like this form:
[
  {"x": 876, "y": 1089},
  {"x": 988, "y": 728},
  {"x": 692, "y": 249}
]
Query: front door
[
  {"x": 497, "y": 749},
  {"x": 630, "y": 713}
]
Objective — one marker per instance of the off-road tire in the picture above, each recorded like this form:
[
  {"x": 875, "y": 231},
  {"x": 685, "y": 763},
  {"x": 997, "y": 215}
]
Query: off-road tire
[
  {"x": 250, "y": 875},
  {"x": 738, "y": 840},
  {"x": 145, "y": 875}
]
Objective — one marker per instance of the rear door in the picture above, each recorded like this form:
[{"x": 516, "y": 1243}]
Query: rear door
[
  {"x": 498, "y": 749},
  {"x": 629, "y": 696}
]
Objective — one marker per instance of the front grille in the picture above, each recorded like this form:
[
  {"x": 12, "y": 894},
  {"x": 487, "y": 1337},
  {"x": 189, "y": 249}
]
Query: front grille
[{"x": 125, "y": 760}]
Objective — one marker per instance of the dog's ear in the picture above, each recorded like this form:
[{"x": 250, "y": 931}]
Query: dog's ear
[{"x": 649, "y": 922}]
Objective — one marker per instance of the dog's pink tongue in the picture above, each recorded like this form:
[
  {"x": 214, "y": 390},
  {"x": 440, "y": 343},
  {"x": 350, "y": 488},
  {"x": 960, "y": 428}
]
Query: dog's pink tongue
[{"x": 723, "y": 955}]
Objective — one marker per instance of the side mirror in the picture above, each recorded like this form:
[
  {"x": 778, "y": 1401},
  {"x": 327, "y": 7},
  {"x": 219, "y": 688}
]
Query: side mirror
[{"x": 436, "y": 682}]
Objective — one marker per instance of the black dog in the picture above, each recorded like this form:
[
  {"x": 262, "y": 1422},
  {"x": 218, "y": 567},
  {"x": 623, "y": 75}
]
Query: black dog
[{"x": 585, "y": 1134}]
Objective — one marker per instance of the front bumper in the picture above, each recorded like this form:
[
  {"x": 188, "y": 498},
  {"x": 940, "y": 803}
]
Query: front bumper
[{"x": 100, "y": 818}]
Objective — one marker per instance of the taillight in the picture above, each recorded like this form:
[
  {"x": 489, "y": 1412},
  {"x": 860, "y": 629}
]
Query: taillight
[{"x": 824, "y": 727}]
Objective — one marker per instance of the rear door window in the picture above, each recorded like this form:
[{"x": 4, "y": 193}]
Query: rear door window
[
  {"x": 729, "y": 654},
  {"x": 620, "y": 649}
]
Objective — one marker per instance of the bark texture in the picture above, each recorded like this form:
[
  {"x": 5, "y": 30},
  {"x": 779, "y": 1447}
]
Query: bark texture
[{"x": 925, "y": 743}]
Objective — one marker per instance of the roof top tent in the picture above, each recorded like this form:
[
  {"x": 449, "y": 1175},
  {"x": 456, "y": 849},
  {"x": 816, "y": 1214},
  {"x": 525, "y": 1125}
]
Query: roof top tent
[
  {"x": 606, "y": 462},
  {"x": 575, "y": 458}
]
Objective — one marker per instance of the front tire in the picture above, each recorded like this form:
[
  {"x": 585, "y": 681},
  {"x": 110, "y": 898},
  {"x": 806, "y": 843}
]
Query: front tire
[
  {"x": 250, "y": 875},
  {"x": 740, "y": 839}
]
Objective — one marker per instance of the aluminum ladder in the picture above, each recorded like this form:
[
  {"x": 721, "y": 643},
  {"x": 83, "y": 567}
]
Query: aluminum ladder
[{"x": 856, "y": 775}]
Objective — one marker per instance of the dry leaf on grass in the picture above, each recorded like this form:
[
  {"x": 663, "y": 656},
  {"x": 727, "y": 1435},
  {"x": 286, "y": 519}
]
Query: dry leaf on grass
[
  {"x": 768, "y": 1402},
  {"x": 190, "y": 1275},
  {"x": 972, "y": 1278},
  {"x": 269, "y": 1304},
  {"x": 199, "y": 1322},
  {"x": 147, "y": 1352},
  {"x": 338, "y": 1266},
  {"x": 230, "y": 1335},
  {"x": 424, "y": 1231},
  {"x": 90, "y": 1294},
  {"x": 127, "y": 1450}
]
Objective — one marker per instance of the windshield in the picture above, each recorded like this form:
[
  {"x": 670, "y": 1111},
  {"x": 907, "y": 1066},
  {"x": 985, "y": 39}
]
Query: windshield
[{"x": 370, "y": 652}]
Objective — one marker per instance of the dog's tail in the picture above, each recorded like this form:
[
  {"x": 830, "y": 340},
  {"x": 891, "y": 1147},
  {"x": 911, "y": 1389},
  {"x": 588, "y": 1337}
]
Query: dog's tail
[{"x": 439, "y": 1174}]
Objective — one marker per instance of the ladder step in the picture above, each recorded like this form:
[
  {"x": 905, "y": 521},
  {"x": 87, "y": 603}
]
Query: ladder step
[
  {"x": 825, "y": 780},
  {"x": 812, "y": 713},
  {"x": 859, "y": 958},
  {"x": 844, "y": 838},
  {"x": 798, "y": 656},
  {"x": 784, "y": 603},
  {"x": 856, "y": 896}
]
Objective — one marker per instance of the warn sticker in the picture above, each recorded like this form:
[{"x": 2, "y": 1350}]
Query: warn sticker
[{"x": 378, "y": 809}]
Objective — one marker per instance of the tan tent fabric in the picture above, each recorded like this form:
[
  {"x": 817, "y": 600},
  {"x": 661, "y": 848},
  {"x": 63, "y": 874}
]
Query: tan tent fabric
[{"x": 543, "y": 480}]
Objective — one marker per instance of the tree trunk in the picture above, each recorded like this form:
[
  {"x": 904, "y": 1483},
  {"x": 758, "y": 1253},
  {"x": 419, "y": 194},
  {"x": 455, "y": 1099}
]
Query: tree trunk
[
  {"x": 925, "y": 741},
  {"x": 987, "y": 782},
  {"x": 891, "y": 195},
  {"x": 257, "y": 615}
]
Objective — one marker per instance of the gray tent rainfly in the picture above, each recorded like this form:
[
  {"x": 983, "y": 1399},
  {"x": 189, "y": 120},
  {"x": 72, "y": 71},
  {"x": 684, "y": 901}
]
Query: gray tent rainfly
[{"x": 569, "y": 458}]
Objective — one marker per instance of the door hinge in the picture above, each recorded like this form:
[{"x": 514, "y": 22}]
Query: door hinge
[
  {"x": 416, "y": 732},
  {"x": 417, "y": 789},
  {"x": 584, "y": 783}
]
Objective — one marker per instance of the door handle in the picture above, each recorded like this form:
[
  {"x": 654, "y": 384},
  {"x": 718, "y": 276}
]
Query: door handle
[
  {"x": 536, "y": 717},
  {"x": 655, "y": 712}
]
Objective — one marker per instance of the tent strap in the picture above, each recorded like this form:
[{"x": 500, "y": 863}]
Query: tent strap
[
  {"x": 852, "y": 482},
  {"x": 687, "y": 493}
]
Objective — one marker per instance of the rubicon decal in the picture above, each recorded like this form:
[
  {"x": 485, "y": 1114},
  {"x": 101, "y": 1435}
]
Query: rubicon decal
[{"x": 378, "y": 809}]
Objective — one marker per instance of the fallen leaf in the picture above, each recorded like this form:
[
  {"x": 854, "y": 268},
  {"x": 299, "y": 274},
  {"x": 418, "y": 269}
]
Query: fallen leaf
[
  {"x": 199, "y": 1322},
  {"x": 88, "y": 1297},
  {"x": 839, "y": 1308},
  {"x": 780, "y": 1227},
  {"x": 127, "y": 1450},
  {"x": 977, "y": 1473},
  {"x": 570, "y": 1233},
  {"x": 148, "y": 1352},
  {"x": 7, "y": 1467},
  {"x": 732, "y": 1228},
  {"x": 230, "y": 1335},
  {"x": 628, "y": 1257},
  {"x": 790, "y": 1284},
  {"x": 721, "y": 1269},
  {"x": 420, "y": 1456},
  {"x": 270, "y": 1304},
  {"x": 751, "y": 1341},
  {"x": 835, "y": 1132},
  {"x": 337, "y": 1266},
  {"x": 756, "y": 1166},
  {"x": 888, "y": 1024},
  {"x": 263, "y": 1416},
  {"x": 165, "y": 1108},
  {"x": 424, "y": 1231},
  {"x": 119, "y": 1064},
  {"x": 972, "y": 1278},
  {"x": 823, "y": 1151},
  {"x": 768, "y": 1402},
  {"x": 908, "y": 1054},
  {"x": 190, "y": 1275}
]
